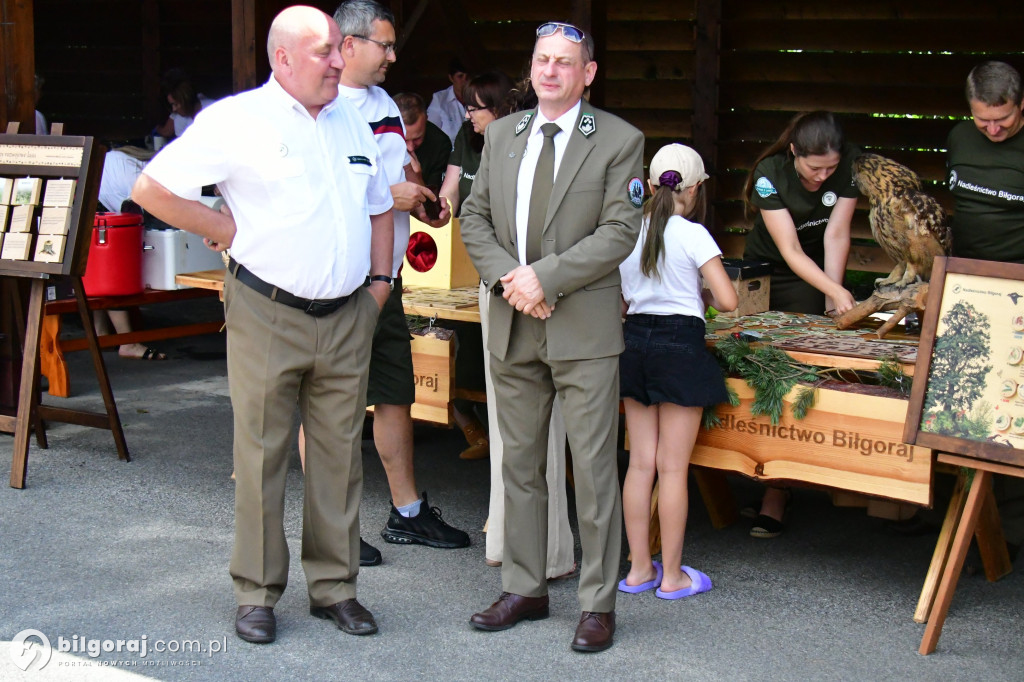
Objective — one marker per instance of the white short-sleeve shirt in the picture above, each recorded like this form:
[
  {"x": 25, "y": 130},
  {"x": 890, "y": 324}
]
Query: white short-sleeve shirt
[
  {"x": 688, "y": 246},
  {"x": 385, "y": 122},
  {"x": 301, "y": 190}
]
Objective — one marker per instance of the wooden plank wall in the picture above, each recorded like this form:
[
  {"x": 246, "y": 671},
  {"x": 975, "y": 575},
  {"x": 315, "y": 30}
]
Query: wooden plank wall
[{"x": 102, "y": 59}]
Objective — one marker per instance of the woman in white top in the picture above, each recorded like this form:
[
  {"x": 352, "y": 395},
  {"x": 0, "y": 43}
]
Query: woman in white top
[{"x": 667, "y": 375}]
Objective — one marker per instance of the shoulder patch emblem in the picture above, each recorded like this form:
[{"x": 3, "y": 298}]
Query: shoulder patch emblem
[
  {"x": 764, "y": 187},
  {"x": 587, "y": 125},
  {"x": 952, "y": 180},
  {"x": 636, "y": 192},
  {"x": 828, "y": 198},
  {"x": 525, "y": 121}
]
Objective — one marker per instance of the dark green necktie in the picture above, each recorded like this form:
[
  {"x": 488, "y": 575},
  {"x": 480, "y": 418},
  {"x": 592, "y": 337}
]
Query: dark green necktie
[{"x": 540, "y": 195}]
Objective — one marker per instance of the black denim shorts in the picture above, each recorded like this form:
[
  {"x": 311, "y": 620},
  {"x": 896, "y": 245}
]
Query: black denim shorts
[{"x": 666, "y": 361}]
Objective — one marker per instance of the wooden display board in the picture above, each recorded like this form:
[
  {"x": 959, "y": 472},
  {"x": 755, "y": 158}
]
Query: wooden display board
[
  {"x": 51, "y": 159},
  {"x": 968, "y": 397},
  {"x": 847, "y": 441},
  {"x": 968, "y": 402}
]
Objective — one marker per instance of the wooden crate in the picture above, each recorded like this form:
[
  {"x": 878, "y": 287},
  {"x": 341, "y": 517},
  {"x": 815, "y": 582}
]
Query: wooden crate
[
  {"x": 847, "y": 441},
  {"x": 452, "y": 269},
  {"x": 433, "y": 365},
  {"x": 752, "y": 282}
]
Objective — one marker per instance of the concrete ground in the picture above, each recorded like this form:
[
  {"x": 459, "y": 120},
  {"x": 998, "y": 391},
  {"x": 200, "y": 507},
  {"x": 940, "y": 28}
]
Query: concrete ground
[{"x": 98, "y": 549}]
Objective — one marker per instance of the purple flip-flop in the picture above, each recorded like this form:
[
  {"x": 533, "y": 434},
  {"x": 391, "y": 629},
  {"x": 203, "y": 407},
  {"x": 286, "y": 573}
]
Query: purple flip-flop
[
  {"x": 643, "y": 587},
  {"x": 699, "y": 582}
]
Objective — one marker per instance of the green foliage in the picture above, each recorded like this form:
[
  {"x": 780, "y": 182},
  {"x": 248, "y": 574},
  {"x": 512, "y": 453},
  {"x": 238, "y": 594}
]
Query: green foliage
[
  {"x": 805, "y": 400},
  {"x": 958, "y": 369},
  {"x": 772, "y": 373},
  {"x": 890, "y": 373}
]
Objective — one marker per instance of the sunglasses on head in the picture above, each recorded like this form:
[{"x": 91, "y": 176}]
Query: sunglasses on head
[{"x": 568, "y": 30}]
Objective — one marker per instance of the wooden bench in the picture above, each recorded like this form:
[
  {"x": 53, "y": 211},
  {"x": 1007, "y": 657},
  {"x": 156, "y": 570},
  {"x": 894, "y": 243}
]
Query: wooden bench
[{"x": 54, "y": 367}]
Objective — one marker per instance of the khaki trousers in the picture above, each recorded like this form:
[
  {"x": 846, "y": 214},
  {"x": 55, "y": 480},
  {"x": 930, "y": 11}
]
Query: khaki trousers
[
  {"x": 561, "y": 547},
  {"x": 525, "y": 385},
  {"x": 277, "y": 355}
]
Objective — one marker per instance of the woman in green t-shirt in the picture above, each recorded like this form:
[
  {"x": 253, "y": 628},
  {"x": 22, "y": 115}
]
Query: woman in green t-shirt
[
  {"x": 803, "y": 196},
  {"x": 489, "y": 96}
]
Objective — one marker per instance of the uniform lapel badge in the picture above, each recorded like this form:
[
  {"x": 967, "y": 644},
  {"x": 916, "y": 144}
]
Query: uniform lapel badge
[
  {"x": 525, "y": 121},
  {"x": 587, "y": 125},
  {"x": 636, "y": 192}
]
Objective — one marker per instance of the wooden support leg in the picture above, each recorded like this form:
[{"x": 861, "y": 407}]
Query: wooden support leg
[
  {"x": 101, "y": 370},
  {"x": 979, "y": 488},
  {"x": 995, "y": 557},
  {"x": 52, "y": 364},
  {"x": 27, "y": 396},
  {"x": 717, "y": 495},
  {"x": 941, "y": 554}
]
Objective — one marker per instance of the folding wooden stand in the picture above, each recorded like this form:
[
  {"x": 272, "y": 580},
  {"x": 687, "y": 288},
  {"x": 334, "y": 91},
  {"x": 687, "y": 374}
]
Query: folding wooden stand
[
  {"x": 48, "y": 157},
  {"x": 972, "y": 513}
]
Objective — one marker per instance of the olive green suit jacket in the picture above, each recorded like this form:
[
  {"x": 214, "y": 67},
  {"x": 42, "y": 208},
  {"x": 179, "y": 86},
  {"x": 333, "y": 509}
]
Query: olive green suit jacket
[{"x": 592, "y": 224}]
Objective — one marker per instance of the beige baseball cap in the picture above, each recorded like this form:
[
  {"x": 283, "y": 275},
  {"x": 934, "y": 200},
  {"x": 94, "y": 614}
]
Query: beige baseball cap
[{"x": 683, "y": 160}]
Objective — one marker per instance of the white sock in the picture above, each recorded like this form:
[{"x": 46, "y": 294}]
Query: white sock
[{"x": 410, "y": 510}]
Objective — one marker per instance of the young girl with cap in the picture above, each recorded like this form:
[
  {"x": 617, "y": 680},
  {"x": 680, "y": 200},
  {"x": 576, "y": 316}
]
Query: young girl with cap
[{"x": 667, "y": 375}]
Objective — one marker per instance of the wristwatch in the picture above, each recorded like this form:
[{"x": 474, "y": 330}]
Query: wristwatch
[{"x": 384, "y": 278}]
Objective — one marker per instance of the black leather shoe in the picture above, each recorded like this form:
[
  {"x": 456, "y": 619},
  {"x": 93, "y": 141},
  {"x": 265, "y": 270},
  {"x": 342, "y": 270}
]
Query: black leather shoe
[
  {"x": 509, "y": 610},
  {"x": 256, "y": 624},
  {"x": 368, "y": 554},
  {"x": 426, "y": 528},
  {"x": 594, "y": 633},
  {"x": 350, "y": 616}
]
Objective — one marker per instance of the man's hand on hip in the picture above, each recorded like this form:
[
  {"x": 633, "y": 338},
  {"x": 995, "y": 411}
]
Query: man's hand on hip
[{"x": 524, "y": 292}]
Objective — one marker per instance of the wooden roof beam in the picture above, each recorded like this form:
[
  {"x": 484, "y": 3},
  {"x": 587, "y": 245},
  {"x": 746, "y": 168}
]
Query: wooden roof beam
[{"x": 17, "y": 65}]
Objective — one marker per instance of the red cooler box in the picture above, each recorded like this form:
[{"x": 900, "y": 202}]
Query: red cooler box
[{"x": 114, "y": 267}]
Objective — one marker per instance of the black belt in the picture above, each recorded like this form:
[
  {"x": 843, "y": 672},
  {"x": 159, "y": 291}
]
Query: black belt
[{"x": 314, "y": 307}]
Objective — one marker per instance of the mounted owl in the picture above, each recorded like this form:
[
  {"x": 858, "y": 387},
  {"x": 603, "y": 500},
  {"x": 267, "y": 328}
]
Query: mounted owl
[{"x": 908, "y": 224}]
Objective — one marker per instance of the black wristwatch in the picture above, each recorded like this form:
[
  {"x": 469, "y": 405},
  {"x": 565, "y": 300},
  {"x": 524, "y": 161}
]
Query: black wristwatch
[{"x": 384, "y": 278}]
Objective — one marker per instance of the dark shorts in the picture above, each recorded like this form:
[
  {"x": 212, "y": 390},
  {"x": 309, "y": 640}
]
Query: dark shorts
[
  {"x": 391, "y": 378},
  {"x": 666, "y": 361}
]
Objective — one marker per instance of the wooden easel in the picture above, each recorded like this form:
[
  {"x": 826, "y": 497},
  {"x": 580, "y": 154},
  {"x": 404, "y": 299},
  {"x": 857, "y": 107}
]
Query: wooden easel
[
  {"x": 31, "y": 413},
  {"x": 972, "y": 512}
]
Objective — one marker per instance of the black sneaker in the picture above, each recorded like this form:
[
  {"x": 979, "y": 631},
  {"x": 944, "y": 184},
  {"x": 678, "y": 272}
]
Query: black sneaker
[
  {"x": 368, "y": 554},
  {"x": 426, "y": 528}
]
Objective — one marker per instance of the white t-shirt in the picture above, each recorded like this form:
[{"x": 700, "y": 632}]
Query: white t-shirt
[
  {"x": 446, "y": 112},
  {"x": 688, "y": 246},
  {"x": 301, "y": 190},
  {"x": 120, "y": 171},
  {"x": 181, "y": 123},
  {"x": 377, "y": 107}
]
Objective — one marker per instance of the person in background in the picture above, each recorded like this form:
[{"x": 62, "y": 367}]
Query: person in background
[
  {"x": 41, "y": 127},
  {"x": 447, "y": 109},
  {"x": 427, "y": 144},
  {"x": 185, "y": 102},
  {"x": 299, "y": 318},
  {"x": 803, "y": 197},
  {"x": 985, "y": 159},
  {"x": 368, "y": 46},
  {"x": 667, "y": 374},
  {"x": 555, "y": 207}
]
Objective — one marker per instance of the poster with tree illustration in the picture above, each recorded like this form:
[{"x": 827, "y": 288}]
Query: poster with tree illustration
[{"x": 968, "y": 394}]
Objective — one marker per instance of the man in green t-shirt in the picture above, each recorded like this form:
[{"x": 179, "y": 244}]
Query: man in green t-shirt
[
  {"x": 986, "y": 167},
  {"x": 427, "y": 144}
]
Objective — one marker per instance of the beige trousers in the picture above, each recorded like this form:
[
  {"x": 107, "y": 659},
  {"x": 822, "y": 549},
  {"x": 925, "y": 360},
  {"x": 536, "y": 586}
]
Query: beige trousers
[
  {"x": 278, "y": 355},
  {"x": 560, "y": 555}
]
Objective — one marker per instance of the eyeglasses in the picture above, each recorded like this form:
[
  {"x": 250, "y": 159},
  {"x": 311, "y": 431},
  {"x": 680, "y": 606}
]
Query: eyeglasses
[
  {"x": 389, "y": 48},
  {"x": 470, "y": 109},
  {"x": 568, "y": 30}
]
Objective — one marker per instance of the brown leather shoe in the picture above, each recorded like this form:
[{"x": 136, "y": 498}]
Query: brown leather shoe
[
  {"x": 594, "y": 633},
  {"x": 509, "y": 610},
  {"x": 256, "y": 624},
  {"x": 351, "y": 617}
]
